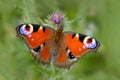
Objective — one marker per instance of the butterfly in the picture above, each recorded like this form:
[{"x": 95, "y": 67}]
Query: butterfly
[{"x": 63, "y": 48}]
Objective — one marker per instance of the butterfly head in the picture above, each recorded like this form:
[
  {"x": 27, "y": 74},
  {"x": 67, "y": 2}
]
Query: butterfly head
[
  {"x": 25, "y": 29},
  {"x": 91, "y": 43}
]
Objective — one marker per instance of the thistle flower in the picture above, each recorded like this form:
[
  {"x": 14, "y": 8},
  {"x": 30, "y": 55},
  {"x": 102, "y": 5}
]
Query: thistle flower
[{"x": 57, "y": 18}]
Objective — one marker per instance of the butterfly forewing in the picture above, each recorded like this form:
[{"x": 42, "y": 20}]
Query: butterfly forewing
[{"x": 75, "y": 45}]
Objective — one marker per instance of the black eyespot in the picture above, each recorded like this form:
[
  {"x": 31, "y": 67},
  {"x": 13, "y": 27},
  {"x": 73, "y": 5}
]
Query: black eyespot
[
  {"x": 89, "y": 40},
  {"x": 71, "y": 56},
  {"x": 37, "y": 49},
  {"x": 27, "y": 26}
]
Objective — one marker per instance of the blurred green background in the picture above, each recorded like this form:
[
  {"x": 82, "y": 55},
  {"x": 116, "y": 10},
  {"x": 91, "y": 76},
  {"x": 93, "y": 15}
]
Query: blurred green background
[{"x": 99, "y": 18}]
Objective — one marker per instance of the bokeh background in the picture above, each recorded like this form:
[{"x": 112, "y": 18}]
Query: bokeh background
[{"x": 97, "y": 18}]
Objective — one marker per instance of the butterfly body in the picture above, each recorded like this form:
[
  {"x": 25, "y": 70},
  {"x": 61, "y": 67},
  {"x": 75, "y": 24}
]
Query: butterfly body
[{"x": 63, "y": 48}]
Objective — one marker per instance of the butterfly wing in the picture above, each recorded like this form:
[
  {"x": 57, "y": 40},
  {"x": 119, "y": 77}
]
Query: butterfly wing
[
  {"x": 37, "y": 38},
  {"x": 73, "y": 47}
]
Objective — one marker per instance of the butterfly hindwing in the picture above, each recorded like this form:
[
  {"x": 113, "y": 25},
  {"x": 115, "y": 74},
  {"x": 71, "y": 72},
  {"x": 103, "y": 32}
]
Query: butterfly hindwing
[
  {"x": 36, "y": 37},
  {"x": 42, "y": 55},
  {"x": 65, "y": 58},
  {"x": 62, "y": 57}
]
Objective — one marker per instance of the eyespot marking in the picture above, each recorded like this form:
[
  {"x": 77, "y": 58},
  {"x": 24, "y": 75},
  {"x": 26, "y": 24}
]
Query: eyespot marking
[
  {"x": 37, "y": 49},
  {"x": 26, "y": 29},
  {"x": 90, "y": 42},
  {"x": 71, "y": 56}
]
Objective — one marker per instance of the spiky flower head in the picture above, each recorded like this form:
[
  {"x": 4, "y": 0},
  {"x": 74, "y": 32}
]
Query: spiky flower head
[{"x": 57, "y": 18}]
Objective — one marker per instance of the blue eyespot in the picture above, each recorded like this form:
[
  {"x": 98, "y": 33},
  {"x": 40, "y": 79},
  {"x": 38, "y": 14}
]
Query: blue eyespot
[
  {"x": 90, "y": 44},
  {"x": 23, "y": 30}
]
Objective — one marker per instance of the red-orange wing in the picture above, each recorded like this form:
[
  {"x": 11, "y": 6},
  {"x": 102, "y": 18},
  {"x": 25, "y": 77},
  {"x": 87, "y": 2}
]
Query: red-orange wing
[
  {"x": 79, "y": 44},
  {"x": 34, "y": 34},
  {"x": 74, "y": 46},
  {"x": 36, "y": 37}
]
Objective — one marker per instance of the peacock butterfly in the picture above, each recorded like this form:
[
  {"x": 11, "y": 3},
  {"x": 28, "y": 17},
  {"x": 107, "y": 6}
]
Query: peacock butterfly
[{"x": 64, "y": 48}]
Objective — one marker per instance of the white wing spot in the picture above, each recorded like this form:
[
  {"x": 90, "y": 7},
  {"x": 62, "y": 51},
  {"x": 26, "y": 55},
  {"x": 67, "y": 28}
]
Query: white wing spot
[
  {"x": 41, "y": 27},
  {"x": 41, "y": 45},
  {"x": 77, "y": 35},
  {"x": 75, "y": 59},
  {"x": 68, "y": 51},
  {"x": 32, "y": 39},
  {"x": 79, "y": 49}
]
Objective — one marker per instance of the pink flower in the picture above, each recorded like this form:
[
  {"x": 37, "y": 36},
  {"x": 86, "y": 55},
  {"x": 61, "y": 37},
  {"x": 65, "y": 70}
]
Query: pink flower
[{"x": 57, "y": 18}]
